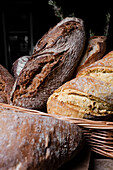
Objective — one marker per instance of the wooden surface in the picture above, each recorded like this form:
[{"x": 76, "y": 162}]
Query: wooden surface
[{"x": 99, "y": 162}]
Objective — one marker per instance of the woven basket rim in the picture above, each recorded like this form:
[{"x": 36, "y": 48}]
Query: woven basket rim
[{"x": 85, "y": 123}]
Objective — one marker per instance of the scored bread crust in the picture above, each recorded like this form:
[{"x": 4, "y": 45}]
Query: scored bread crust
[
  {"x": 103, "y": 65},
  {"x": 53, "y": 62},
  {"x": 33, "y": 141},
  {"x": 89, "y": 94}
]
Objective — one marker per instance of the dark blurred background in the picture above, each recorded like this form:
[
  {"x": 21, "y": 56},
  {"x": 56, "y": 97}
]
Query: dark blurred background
[{"x": 24, "y": 22}]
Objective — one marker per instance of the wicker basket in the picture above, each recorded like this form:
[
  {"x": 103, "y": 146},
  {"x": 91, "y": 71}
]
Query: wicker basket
[{"x": 98, "y": 134}]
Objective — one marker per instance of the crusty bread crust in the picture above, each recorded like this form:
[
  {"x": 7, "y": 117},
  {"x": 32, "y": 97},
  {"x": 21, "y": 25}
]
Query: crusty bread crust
[
  {"x": 6, "y": 84},
  {"x": 89, "y": 95},
  {"x": 18, "y": 65},
  {"x": 53, "y": 62},
  {"x": 32, "y": 141},
  {"x": 95, "y": 51}
]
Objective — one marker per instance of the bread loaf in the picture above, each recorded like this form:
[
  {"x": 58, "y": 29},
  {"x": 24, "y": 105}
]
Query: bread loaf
[
  {"x": 18, "y": 65},
  {"x": 32, "y": 141},
  {"x": 6, "y": 84},
  {"x": 89, "y": 95},
  {"x": 53, "y": 62},
  {"x": 95, "y": 51}
]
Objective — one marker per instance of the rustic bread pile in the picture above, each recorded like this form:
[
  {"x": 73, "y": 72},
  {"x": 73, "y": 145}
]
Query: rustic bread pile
[{"x": 63, "y": 77}]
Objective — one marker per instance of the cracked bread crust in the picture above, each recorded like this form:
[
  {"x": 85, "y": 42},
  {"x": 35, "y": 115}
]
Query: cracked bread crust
[
  {"x": 89, "y": 95},
  {"x": 53, "y": 62},
  {"x": 105, "y": 65}
]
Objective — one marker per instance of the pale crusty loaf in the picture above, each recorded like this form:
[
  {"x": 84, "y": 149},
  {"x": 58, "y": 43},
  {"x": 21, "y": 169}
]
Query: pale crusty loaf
[
  {"x": 89, "y": 95},
  {"x": 53, "y": 62},
  {"x": 95, "y": 51},
  {"x": 6, "y": 84},
  {"x": 31, "y": 141},
  {"x": 18, "y": 65}
]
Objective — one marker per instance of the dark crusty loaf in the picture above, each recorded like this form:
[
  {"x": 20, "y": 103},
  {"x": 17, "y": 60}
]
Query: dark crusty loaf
[
  {"x": 89, "y": 95},
  {"x": 6, "y": 84},
  {"x": 53, "y": 62},
  {"x": 31, "y": 141}
]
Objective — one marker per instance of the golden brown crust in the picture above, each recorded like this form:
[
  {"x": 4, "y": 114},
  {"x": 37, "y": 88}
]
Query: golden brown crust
[
  {"x": 103, "y": 65},
  {"x": 89, "y": 94}
]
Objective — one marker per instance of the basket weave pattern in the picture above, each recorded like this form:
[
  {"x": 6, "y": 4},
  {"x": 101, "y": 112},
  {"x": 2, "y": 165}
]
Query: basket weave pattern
[{"x": 99, "y": 135}]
